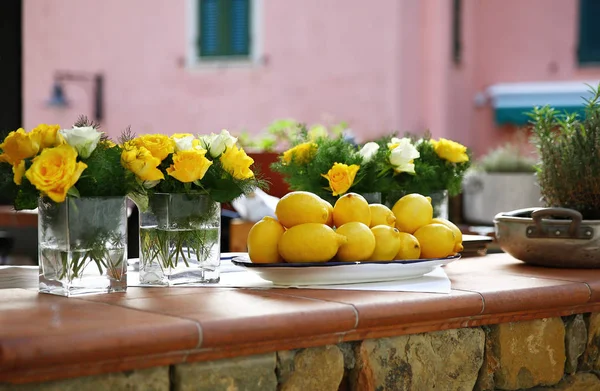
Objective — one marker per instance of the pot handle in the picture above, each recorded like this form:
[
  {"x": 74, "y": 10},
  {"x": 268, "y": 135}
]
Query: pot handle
[{"x": 574, "y": 215}]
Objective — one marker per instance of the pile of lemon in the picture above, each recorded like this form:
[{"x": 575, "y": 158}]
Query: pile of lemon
[{"x": 310, "y": 229}]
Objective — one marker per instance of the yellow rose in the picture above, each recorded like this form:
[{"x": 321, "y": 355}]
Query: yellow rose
[
  {"x": 237, "y": 163},
  {"x": 47, "y": 135},
  {"x": 189, "y": 166},
  {"x": 19, "y": 145},
  {"x": 18, "y": 171},
  {"x": 159, "y": 145},
  {"x": 140, "y": 161},
  {"x": 341, "y": 177},
  {"x": 55, "y": 171},
  {"x": 301, "y": 153},
  {"x": 450, "y": 150}
]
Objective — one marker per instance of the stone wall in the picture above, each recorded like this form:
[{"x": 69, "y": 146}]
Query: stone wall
[{"x": 544, "y": 354}]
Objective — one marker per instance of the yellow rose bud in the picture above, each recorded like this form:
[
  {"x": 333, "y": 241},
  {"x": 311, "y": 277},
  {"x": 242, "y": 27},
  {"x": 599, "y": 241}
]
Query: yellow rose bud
[
  {"x": 18, "y": 171},
  {"x": 237, "y": 163},
  {"x": 141, "y": 162},
  {"x": 159, "y": 145},
  {"x": 19, "y": 145},
  {"x": 47, "y": 135},
  {"x": 189, "y": 166},
  {"x": 55, "y": 170},
  {"x": 301, "y": 153},
  {"x": 341, "y": 177},
  {"x": 450, "y": 150}
]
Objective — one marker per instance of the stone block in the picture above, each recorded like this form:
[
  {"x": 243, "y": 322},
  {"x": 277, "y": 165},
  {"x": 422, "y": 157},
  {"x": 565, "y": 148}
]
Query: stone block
[
  {"x": 575, "y": 341},
  {"x": 529, "y": 353},
  {"x": 315, "y": 369},
  {"x": 443, "y": 360},
  {"x": 252, "y": 373},
  {"x": 152, "y": 379},
  {"x": 485, "y": 380},
  {"x": 576, "y": 382},
  {"x": 591, "y": 356}
]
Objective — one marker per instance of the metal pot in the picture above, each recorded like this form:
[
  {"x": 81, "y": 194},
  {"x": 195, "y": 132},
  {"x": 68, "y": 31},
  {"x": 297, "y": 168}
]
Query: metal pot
[{"x": 536, "y": 236}]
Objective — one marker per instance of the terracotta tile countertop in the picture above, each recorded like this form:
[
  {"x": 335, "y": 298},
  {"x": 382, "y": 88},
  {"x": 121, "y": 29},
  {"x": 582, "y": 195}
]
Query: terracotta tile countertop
[{"x": 45, "y": 337}]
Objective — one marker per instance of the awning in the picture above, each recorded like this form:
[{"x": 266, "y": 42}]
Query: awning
[{"x": 511, "y": 101}]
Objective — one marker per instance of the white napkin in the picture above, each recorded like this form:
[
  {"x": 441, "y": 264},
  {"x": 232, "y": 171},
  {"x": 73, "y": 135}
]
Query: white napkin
[{"x": 233, "y": 276}]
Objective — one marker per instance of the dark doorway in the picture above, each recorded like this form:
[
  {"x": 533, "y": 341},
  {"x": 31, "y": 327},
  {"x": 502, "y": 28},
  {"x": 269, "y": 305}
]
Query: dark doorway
[{"x": 10, "y": 65}]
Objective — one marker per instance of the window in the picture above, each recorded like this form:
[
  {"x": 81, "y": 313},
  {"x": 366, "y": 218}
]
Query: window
[
  {"x": 589, "y": 39},
  {"x": 457, "y": 31},
  {"x": 223, "y": 32}
]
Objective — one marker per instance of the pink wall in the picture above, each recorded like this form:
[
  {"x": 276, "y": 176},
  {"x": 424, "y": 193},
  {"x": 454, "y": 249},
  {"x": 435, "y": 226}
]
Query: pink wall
[
  {"x": 518, "y": 41},
  {"x": 323, "y": 61},
  {"x": 379, "y": 68}
]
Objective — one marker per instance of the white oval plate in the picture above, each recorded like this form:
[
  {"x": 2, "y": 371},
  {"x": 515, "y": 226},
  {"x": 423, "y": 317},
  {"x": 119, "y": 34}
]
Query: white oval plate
[{"x": 333, "y": 273}]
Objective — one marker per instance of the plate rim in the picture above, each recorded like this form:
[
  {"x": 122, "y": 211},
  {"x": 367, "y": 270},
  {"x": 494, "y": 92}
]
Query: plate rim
[{"x": 244, "y": 261}]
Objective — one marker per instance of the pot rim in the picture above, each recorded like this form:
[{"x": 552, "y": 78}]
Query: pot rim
[{"x": 506, "y": 218}]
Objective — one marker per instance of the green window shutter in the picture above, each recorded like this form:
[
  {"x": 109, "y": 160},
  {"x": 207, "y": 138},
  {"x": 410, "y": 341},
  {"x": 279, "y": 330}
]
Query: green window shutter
[
  {"x": 589, "y": 39},
  {"x": 224, "y": 28}
]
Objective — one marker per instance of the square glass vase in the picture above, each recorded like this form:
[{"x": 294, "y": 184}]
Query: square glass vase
[
  {"x": 82, "y": 245},
  {"x": 180, "y": 240}
]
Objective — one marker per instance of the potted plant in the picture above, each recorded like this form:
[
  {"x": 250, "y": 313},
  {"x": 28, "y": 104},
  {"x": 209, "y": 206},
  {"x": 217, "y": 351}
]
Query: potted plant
[
  {"x": 567, "y": 232},
  {"x": 503, "y": 179}
]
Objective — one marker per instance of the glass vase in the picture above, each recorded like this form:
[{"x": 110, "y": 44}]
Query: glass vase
[
  {"x": 180, "y": 237},
  {"x": 82, "y": 245},
  {"x": 439, "y": 201}
]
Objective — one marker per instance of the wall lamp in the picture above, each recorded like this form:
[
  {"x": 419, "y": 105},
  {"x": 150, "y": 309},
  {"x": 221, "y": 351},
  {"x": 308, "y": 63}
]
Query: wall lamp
[{"x": 58, "y": 98}]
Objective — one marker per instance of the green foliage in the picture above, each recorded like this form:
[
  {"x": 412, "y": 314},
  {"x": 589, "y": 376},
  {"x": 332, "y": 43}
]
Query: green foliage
[
  {"x": 104, "y": 176},
  {"x": 507, "y": 159},
  {"x": 569, "y": 149}
]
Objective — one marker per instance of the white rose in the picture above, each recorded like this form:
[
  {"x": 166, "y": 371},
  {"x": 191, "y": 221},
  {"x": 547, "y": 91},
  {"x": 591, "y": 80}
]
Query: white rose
[
  {"x": 368, "y": 151},
  {"x": 83, "y": 139},
  {"x": 403, "y": 155},
  {"x": 217, "y": 143},
  {"x": 184, "y": 143}
]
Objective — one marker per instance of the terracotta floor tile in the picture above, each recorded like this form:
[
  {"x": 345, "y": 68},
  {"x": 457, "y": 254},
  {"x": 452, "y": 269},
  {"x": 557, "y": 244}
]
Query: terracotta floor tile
[
  {"x": 45, "y": 330},
  {"x": 140, "y": 293},
  {"x": 511, "y": 293},
  {"x": 510, "y": 265},
  {"x": 249, "y": 316},
  {"x": 380, "y": 309}
]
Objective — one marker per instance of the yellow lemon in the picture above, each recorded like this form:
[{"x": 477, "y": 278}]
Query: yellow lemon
[
  {"x": 436, "y": 240},
  {"x": 387, "y": 243},
  {"x": 409, "y": 247},
  {"x": 310, "y": 242},
  {"x": 458, "y": 236},
  {"x": 351, "y": 207},
  {"x": 412, "y": 212},
  {"x": 360, "y": 244},
  {"x": 329, "y": 207},
  {"x": 382, "y": 215},
  {"x": 263, "y": 239},
  {"x": 300, "y": 207}
]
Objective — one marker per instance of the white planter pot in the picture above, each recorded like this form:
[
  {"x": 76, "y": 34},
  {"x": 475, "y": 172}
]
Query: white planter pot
[{"x": 487, "y": 194}]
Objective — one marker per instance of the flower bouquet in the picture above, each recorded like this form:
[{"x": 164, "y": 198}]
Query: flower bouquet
[
  {"x": 184, "y": 179},
  {"x": 75, "y": 179},
  {"x": 331, "y": 166},
  {"x": 436, "y": 169}
]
